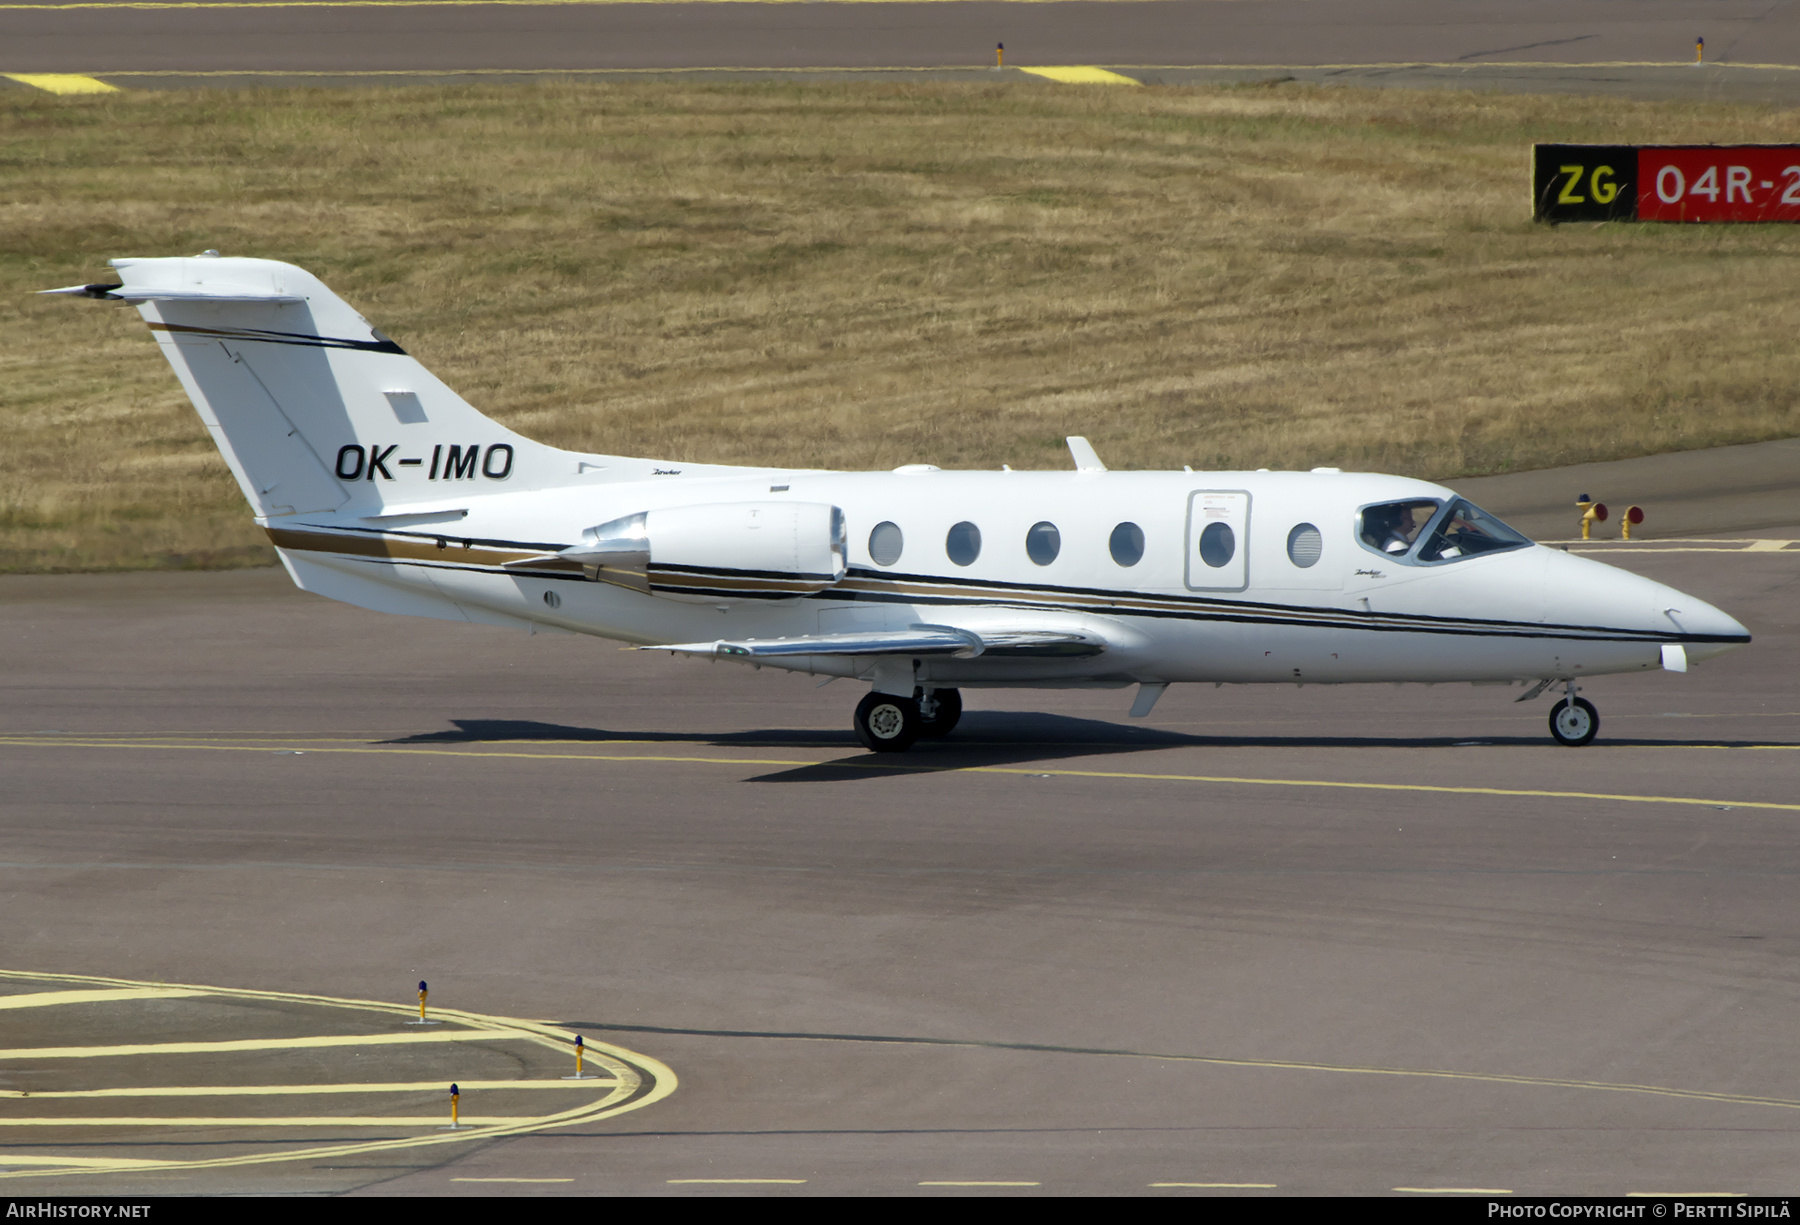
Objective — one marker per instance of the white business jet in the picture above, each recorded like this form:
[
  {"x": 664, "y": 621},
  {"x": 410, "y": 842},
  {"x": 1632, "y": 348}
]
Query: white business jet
[{"x": 381, "y": 487}]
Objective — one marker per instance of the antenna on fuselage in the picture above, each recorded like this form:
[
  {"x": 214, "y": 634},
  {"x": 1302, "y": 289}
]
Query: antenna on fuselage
[{"x": 1086, "y": 460}]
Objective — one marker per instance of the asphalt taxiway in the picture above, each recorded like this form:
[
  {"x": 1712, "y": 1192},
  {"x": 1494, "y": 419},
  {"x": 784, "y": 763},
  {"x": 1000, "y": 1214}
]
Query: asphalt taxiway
[
  {"x": 1587, "y": 46},
  {"x": 1269, "y": 941}
]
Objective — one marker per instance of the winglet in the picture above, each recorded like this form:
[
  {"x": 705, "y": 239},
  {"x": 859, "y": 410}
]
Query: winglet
[{"x": 1085, "y": 458}]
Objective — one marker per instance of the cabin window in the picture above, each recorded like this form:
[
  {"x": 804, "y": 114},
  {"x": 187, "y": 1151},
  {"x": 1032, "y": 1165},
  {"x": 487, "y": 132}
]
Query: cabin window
[
  {"x": 1465, "y": 531},
  {"x": 1042, "y": 543},
  {"x": 1393, "y": 527},
  {"x": 1304, "y": 545},
  {"x": 963, "y": 544},
  {"x": 1218, "y": 544},
  {"x": 1127, "y": 544},
  {"x": 886, "y": 543}
]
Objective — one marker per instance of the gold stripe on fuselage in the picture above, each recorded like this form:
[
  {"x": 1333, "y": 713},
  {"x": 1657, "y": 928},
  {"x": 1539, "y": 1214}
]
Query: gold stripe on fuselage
[
  {"x": 463, "y": 553},
  {"x": 454, "y": 550}
]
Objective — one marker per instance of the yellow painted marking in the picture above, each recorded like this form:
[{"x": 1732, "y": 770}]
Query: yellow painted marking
[
  {"x": 1081, "y": 76},
  {"x": 1684, "y": 1194},
  {"x": 512, "y": 1180},
  {"x": 86, "y": 1163},
  {"x": 739, "y": 1182},
  {"x": 404, "y": 1086},
  {"x": 358, "y": 4},
  {"x": 1767, "y": 546},
  {"x": 261, "y": 1044},
  {"x": 630, "y": 1067},
  {"x": 981, "y": 1184},
  {"x": 1455, "y": 1190},
  {"x": 1422, "y": 787},
  {"x": 1642, "y": 543},
  {"x": 1250, "y": 1186},
  {"x": 252, "y": 1120},
  {"x": 44, "y": 999},
  {"x": 61, "y": 82},
  {"x": 935, "y": 768},
  {"x": 1676, "y": 549}
]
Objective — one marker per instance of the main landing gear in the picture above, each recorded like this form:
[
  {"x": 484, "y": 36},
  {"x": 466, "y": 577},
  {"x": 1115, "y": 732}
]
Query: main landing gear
[
  {"x": 889, "y": 724},
  {"x": 1574, "y": 721}
]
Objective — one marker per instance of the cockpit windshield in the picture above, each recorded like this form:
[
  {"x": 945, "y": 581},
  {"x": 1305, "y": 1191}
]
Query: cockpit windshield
[
  {"x": 1393, "y": 527},
  {"x": 1423, "y": 530},
  {"x": 1467, "y": 530}
]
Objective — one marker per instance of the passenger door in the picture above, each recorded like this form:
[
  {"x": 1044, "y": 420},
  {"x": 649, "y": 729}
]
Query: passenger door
[{"x": 1218, "y": 540}]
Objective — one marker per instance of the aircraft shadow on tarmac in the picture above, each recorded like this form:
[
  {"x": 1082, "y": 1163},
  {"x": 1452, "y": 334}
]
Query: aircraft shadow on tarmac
[{"x": 991, "y": 738}]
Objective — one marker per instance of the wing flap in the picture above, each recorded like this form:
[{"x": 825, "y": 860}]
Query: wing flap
[
  {"x": 920, "y": 640},
  {"x": 935, "y": 640}
]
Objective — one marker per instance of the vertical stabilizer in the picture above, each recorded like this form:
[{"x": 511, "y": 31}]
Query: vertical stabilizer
[{"x": 313, "y": 409}]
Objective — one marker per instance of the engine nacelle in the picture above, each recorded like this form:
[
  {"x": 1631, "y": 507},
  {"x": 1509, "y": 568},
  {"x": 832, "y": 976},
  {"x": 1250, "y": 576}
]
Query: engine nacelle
[{"x": 721, "y": 552}]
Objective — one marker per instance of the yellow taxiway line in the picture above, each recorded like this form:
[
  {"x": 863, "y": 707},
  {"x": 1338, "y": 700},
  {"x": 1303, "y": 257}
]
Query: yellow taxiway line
[
  {"x": 359, "y": 4},
  {"x": 736, "y": 1182},
  {"x": 404, "y": 1086},
  {"x": 45, "y": 999},
  {"x": 1228, "y": 1186},
  {"x": 77, "y": 1165},
  {"x": 264, "y": 1044},
  {"x": 168, "y": 745},
  {"x": 975, "y": 1183},
  {"x": 254, "y": 1120},
  {"x": 614, "y": 1094}
]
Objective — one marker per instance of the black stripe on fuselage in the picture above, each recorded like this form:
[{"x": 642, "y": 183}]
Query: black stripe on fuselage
[{"x": 1245, "y": 612}]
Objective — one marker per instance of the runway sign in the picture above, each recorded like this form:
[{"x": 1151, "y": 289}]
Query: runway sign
[{"x": 1665, "y": 183}]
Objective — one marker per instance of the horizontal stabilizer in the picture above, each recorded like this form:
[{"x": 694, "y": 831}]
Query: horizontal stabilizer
[{"x": 224, "y": 293}]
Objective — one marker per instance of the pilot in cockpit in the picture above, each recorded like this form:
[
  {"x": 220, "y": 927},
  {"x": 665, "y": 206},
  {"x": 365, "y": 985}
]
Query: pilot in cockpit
[{"x": 1393, "y": 528}]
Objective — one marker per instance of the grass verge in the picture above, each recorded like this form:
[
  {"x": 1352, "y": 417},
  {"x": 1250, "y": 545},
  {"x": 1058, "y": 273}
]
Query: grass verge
[{"x": 864, "y": 275}]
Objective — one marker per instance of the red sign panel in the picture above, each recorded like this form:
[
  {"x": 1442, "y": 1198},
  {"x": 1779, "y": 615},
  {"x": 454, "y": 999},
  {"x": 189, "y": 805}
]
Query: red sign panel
[{"x": 1719, "y": 183}]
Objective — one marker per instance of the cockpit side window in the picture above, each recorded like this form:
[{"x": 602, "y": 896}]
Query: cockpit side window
[
  {"x": 1466, "y": 531},
  {"x": 1393, "y": 528}
]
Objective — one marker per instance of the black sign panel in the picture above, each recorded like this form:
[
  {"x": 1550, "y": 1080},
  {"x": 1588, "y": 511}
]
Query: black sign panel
[{"x": 1584, "y": 182}]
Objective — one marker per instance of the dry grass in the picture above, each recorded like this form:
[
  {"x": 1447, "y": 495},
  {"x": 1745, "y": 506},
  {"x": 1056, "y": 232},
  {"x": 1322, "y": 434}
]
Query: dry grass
[{"x": 869, "y": 275}]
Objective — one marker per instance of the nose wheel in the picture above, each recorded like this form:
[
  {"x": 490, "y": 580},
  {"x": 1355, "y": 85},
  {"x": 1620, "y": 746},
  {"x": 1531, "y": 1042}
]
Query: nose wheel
[{"x": 1574, "y": 721}]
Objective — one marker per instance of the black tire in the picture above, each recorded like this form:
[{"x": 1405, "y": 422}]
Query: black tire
[
  {"x": 887, "y": 724},
  {"x": 1574, "y": 723},
  {"x": 943, "y": 721}
]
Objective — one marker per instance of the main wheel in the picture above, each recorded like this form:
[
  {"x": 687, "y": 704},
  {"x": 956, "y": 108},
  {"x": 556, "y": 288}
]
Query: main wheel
[
  {"x": 887, "y": 724},
  {"x": 942, "y": 721},
  {"x": 1574, "y": 722}
]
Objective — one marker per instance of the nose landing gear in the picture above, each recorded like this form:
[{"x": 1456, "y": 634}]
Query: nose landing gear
[{"x": 1574, "y": 721}]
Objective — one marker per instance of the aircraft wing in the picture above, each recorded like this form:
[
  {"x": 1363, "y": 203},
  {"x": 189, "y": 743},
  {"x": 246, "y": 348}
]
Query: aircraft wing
[{"x": 916, "y": 640}]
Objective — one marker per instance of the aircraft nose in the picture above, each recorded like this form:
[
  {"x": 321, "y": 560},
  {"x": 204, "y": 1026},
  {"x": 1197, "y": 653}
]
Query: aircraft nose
[{"x": 1706, "y": 631}]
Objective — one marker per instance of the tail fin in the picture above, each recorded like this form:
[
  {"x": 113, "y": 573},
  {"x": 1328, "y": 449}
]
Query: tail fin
[{"x": 313, "y": 409}]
